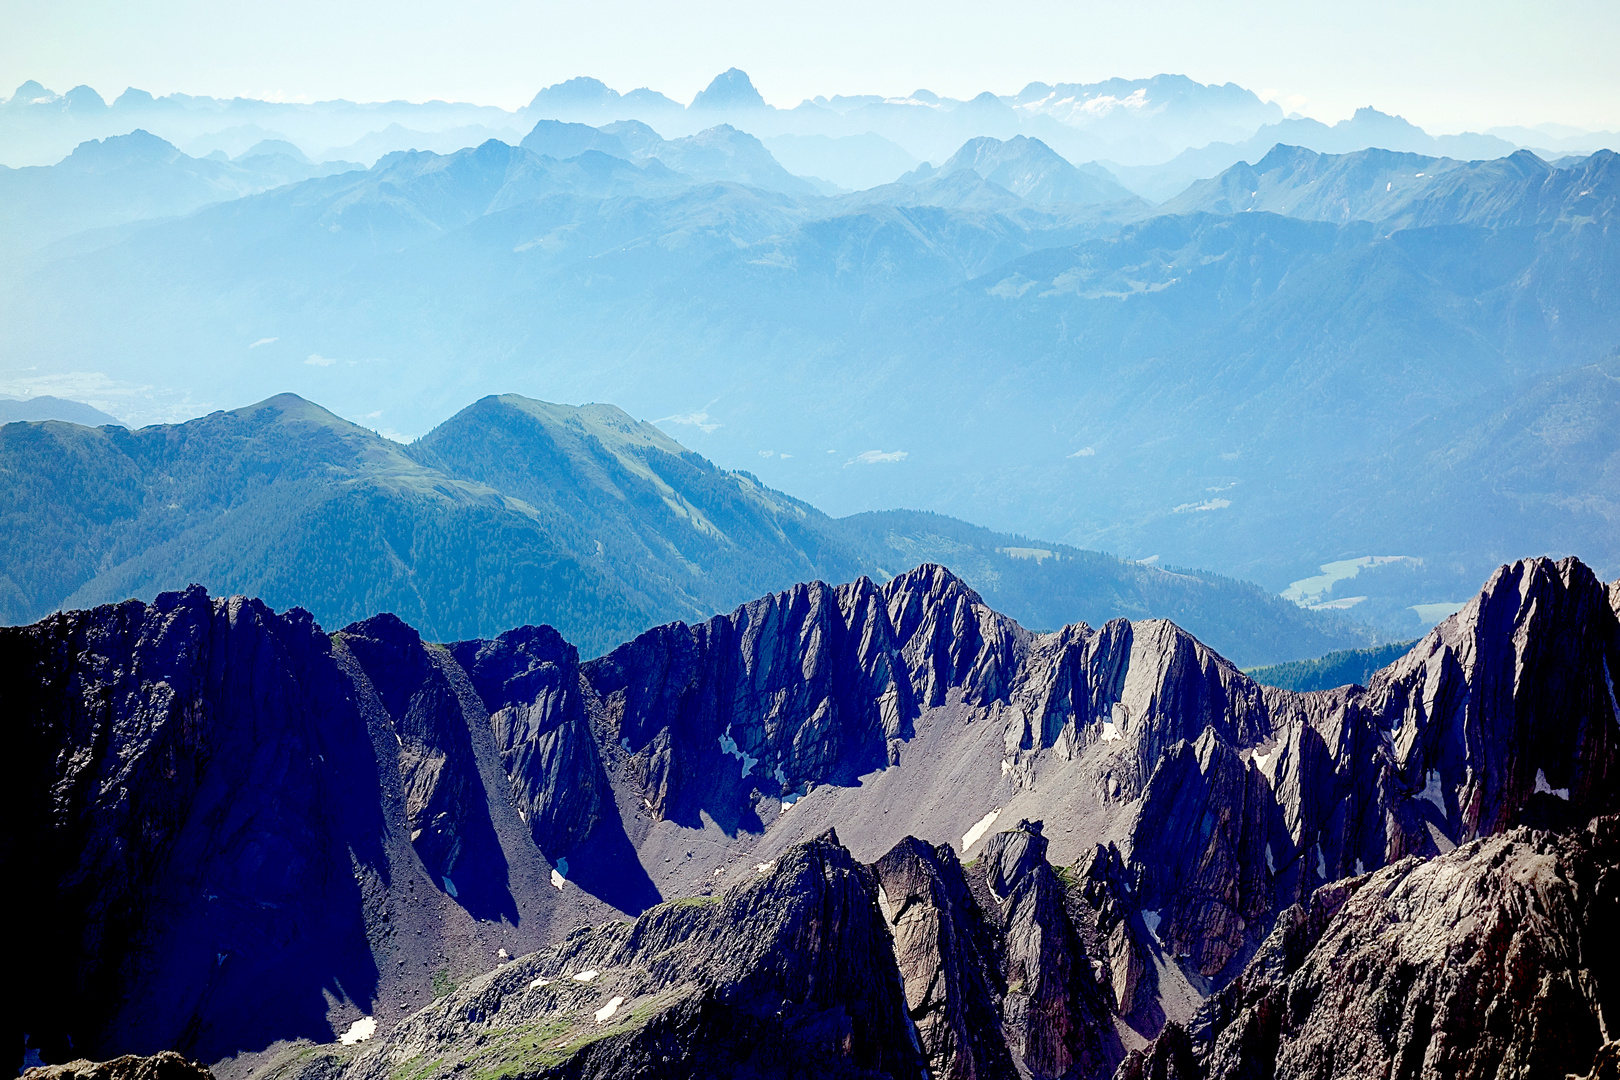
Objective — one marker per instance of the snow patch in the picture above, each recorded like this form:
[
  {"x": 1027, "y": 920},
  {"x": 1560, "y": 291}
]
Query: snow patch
[
  {"x": 538, "y": 983},
  {"x": 1321, "y": 863},
  {"x": 728, "y": 745},
  {"x": 980, "y": 827},
  {"x": 449, "y": 887},
  {"x": 764, "y": 867},
  {"x": 1360, "y": 869},
  {"x": 559, "y": 873},
  {"x": 1201, "y": 507},
  {"x": 1271, "y": 863},
  {"x": 1152, "y": 919},
  {"x": 1111, "y": 733},
  {"x": 1542, "y": 785},
  {"x": 609, "y": 1009},
  {"x": 788, "y": 800},
  {"x": 359, "y": 1031},
  {"x": 1006, "y": 766},
  {"x": 1433, "y": 792},
  {"x": 878, "y": 457},
  {"x": 1084, "y": 451},
  {"x": 1261, "y": 759},
  {"x": 586, "y": 976}
]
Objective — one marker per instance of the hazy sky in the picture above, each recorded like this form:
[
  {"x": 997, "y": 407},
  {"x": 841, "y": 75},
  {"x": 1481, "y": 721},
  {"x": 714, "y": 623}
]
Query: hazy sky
[{"x": 1446, "y": 65}]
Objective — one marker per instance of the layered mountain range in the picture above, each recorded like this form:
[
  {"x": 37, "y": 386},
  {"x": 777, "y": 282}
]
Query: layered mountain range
[
  {"x": 519, "y": 511},
  {"x": 1315, "y": 361},
  {"x": 863, "y": 830}
]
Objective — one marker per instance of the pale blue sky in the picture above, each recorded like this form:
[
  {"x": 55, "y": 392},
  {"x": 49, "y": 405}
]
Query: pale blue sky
[{"x": 1446, "y": 65}]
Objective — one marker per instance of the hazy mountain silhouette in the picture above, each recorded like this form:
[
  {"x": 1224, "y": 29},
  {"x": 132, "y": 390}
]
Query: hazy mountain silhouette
[{"x": 731, "y": 89}]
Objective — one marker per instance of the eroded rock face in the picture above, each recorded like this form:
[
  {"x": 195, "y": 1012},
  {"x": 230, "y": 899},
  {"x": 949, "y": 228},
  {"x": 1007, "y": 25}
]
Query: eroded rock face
[
  {"x": 947, "y": 959},
  {"x": 815, "y": 685},
  {"x": 528, "y": 680},
  {"x": 1054, "y": 1015},
  {"x": 1503, "y": 713},
  {"x": 1496, "y": 959},
  {"x": 789, "y": 975},
  {"x": 427, "y": 703}
]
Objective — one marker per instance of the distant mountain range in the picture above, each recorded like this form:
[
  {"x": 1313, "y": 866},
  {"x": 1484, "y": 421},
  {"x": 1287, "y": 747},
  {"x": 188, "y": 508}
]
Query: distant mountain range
[
  {"x": 49, "y": 407},
  {"x": 1409, "y": 191},
  {"x": 136, "y": 177},
  {"x": 1140, "y": 125},
  {"x": 1294, "y": 371},
  {"x": 516, "y": 511}
]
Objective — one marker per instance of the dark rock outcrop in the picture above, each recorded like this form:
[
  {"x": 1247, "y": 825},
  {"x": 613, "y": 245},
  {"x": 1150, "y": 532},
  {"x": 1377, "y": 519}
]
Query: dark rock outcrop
[
  {"x": 1496, "y": 959},
  {"x": 195, "y": 804},
  {"x": 789, "y": 975},
  {"x": 1169, "y": 1058},
  {"x": 167, "y": 1065},
  {"x": 1054, "y": 1015},
  {"x": 435, "y": 720},
  {"x": 528, "y": 680},
  {"x": 947, "y": 959},
  {"x": 237, "y": 828}
]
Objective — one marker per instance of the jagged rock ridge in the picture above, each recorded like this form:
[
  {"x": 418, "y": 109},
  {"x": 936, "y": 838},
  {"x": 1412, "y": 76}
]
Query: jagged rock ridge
[{"x": 404, "y": 808}]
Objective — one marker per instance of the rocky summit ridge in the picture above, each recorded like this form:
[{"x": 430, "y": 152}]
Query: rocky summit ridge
[{"x": 773, "y": 837}]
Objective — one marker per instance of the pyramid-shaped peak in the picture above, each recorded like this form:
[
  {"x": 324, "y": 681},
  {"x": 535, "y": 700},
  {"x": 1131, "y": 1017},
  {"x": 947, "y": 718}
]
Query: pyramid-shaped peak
[
  {"x": 731, "y": 89},
  {"x": 932, "y": 582},
  {"x": 581, "y": 91}
]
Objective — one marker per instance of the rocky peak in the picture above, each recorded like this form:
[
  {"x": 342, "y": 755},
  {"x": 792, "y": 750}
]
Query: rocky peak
[
  {"x": 946, "y": 958},
  {"x": 435, "y": 718},
  {"x": 1491, "y": 960},
  {"x": 789, "y": 973},
  {"x": 950, "y": 639},
  {"x": 166, "y": 1065},
  {"x": 813, "y": 685},
  {"x": 1055, "y": 1016},
  {"x": 529, "y": 682}
]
